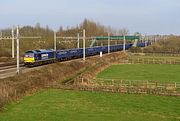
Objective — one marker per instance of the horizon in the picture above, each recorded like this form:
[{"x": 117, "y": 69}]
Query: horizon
[{"x": 147, "y": 17}]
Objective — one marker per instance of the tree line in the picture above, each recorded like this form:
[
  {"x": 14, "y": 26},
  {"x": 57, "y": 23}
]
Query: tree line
[{"x": 170, "y": 44}]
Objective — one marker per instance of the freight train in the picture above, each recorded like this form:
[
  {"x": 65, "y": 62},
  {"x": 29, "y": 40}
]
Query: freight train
[{"x": 39, "y": 57}]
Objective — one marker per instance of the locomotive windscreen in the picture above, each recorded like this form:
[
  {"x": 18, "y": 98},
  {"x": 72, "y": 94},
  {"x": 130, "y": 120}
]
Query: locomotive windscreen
[{"x": 29, "y": 54}]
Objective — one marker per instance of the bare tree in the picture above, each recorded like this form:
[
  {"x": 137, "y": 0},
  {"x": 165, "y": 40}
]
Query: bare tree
[
  {"x": 123, "y": 32},
  {"x": 137, "y": 34}
]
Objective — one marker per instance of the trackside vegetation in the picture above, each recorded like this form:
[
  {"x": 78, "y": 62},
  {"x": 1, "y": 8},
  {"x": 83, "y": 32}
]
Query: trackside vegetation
[
  {"x": 56, "y": 105},
  {"x": 151, "y": 72}
]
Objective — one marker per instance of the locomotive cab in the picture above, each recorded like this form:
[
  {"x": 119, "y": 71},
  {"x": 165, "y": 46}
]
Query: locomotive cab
[
  {"x": 29, "y": 57},
  {"x": 38, "y": 57}
]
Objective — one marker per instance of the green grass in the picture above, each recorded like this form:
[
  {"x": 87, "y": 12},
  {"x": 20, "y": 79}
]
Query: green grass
[
  {"x": 58, "y": 105},
  {"x": 161, "y": 73}
]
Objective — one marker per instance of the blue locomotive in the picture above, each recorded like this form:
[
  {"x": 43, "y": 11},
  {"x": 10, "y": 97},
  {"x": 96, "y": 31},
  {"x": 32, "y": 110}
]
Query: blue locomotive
[
  {"x": 35, "y": 57},
  {"x": 38, "y": 57}
]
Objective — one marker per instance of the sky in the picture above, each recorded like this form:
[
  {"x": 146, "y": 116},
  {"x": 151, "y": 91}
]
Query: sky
[{"x": 144, "y": 16}]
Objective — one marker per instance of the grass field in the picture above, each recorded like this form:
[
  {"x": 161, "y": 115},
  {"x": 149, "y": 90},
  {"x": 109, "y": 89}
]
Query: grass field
[
  {"x": 59, "y": 105},
  {"x": 161, "y": 73}
]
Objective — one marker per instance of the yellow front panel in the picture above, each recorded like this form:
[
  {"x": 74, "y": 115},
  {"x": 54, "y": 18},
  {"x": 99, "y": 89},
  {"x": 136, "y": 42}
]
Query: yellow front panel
[{"x": 29, "y": 60}]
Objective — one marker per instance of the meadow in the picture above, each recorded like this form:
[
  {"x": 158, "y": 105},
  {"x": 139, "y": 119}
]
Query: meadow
[
  {"x": 142, "y": 72},
  {"x": 60, "y": 105}
]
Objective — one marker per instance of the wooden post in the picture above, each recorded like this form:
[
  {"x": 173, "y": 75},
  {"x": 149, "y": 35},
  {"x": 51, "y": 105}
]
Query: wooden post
[
  {"x": 82, "y": 81},
  {"x": 121, "y": 83},
  {"x": 129, "y": 83},
  {"x": 15, "y": 93},
  {"x": 113, "y": 82},
  {"x": 153, "y": 60},
  {"x": 143, "y": 60},
  {"x": 75, "y": 81},
  {"x": 147, "y": 85},
  {"x": 156, "y": 85}
]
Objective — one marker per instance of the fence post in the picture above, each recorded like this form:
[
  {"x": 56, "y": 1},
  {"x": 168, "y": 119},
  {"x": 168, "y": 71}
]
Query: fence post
[
  {"x": 15, "y": 93},
  {"x": 82, "y": 81},
  {"x": 121, "y": 84},
  {"x": 88, "y": 81},
  {"x": 153, "y": 60},
  {"x": 129, "y": 83},
  {"x": 74, "y": 83},
  {"x": 156, "y": 85},
  {"x": 132, "y": 61},
  {"x": 147, "y": 83},
  {"x": 113, "y": 82},
  {"x": 129, "y": 87}
]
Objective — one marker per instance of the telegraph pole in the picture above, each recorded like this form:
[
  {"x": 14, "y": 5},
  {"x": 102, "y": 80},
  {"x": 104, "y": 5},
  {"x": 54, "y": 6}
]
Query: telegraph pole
[
  {"x": 54, "y": 40},
  {"x": 124, "y": 45},
  {"x": 84, "y": 45},
  {"x": 78, "y": 41},
  {"x": 17, "y": 41},
  {"x": 13, "y": 42},
  {"x": 108, "y": 43},
  {"x": 1, "y": 35},
  {"x": 2, "y": 38}
]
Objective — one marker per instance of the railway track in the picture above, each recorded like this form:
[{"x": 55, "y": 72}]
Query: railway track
[
  {"x": 7, "y": 63},
  {"x": 8, "y": 71}
]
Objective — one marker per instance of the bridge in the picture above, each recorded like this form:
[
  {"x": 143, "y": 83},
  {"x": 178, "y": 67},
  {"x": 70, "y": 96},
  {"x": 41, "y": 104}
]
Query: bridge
[{"x": 133, "y": 38}]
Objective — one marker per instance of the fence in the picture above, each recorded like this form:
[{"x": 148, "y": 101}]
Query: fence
[
  {"x": 163, "y": 54},
  {"x": 153, "y": 61},
  {"x": 157, "y": 54},
  {"x": 124, "y": 86}
]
